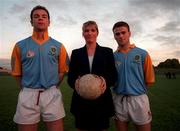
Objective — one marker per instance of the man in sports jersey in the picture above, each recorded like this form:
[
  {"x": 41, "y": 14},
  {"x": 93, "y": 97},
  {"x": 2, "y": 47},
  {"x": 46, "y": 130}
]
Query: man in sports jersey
[
  {"x": 38, "y": 64},
  {"x": 135, "y": 75}
]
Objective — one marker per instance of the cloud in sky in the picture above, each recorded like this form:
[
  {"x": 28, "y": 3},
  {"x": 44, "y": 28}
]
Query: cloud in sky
[
  {"x": 154, "y": 24},
  {"x": 171, "y": 27}
]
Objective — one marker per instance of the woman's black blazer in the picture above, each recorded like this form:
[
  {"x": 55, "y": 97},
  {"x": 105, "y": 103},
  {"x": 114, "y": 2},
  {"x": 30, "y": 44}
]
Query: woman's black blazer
[{"x": 103, "y": 65}]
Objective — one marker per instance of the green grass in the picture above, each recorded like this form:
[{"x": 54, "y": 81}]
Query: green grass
[
  {"x": 164, "y": 99},
  {"x": 165, "y": 104}
]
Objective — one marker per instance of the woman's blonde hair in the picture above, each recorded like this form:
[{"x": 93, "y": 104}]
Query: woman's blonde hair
[{"x": 90, "y": 23}]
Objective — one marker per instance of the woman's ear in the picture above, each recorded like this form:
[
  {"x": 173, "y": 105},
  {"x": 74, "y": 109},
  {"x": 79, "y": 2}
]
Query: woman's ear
[
  {"x": 49, "y": 23},
  {"x": 31, "y": 22}
]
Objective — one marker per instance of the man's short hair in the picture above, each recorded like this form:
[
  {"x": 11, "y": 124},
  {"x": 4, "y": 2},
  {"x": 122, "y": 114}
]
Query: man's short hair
[
  {"x": 37, "y": 8},
  {"x": 120, "y": 24}
]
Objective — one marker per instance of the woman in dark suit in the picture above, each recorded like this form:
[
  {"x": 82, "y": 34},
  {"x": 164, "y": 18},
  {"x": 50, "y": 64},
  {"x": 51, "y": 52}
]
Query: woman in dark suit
[{"x": 92, "y": 115}]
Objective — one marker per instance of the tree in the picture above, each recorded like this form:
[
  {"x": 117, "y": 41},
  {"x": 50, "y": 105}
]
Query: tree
[{"x": 169, "y": 63}]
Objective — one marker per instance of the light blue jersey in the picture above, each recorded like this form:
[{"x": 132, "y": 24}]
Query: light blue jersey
[
  {"x": 130, "y": 68},
  {"x": 39, "y": 63}
]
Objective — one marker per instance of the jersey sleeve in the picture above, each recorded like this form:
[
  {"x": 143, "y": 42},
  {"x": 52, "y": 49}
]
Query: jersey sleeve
[
  {"x": 16, "y": 62},
  {"x": 149, "y": 71},
  {"x": 63, "y": 60}
]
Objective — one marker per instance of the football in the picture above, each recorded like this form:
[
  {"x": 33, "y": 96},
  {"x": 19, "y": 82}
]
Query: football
[{"x": 90, "y": 86}]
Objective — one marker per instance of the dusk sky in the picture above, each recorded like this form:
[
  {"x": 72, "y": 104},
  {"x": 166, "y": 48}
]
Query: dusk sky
[{"x": 155, "y": 24}]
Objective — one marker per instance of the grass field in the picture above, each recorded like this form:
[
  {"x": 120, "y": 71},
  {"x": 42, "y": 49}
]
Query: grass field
[{"x": 164, "y": 99}]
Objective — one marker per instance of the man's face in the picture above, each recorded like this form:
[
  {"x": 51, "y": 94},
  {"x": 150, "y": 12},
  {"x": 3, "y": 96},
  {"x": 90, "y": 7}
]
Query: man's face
[
  {"x": 40, "y": 20},
  {"x": 90, "y": 33},
  {"x": 122, "y": 35}
]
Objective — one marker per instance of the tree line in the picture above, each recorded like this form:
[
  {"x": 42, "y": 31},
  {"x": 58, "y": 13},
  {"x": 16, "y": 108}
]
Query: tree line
[{"x": 170, "y": 63}]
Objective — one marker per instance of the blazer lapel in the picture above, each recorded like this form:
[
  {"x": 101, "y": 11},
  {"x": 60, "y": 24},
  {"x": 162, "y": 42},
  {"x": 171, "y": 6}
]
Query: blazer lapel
[
  {"x": 97, "y": 59},
  {"x": 85, "y": 59}
]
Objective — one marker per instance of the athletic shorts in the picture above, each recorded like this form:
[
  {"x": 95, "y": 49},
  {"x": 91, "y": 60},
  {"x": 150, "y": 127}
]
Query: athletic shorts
[
  {"x": 134, "y": 108},
  {"x": 36, "y": 103}
]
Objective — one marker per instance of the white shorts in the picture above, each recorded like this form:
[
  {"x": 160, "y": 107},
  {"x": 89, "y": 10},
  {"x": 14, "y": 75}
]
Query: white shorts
[
  {"x": 33, "y": 103},
  {"x": 135, "y": 108}
]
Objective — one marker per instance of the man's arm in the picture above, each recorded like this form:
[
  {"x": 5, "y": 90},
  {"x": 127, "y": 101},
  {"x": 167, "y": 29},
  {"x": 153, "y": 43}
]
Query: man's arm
[
  {"x": 18, "y": 80},
  {"x": 149, "y": 71},
  {"x": 61, "y": 77},
  {"x": 63, "y": 63},
  {"x": 16, "y": 65}
]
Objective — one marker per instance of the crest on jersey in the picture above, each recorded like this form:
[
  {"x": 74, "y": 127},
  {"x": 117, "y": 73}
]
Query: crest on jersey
[
  {"x": 52, "y": 50},
  {"x": 118, "y": 63},
  {"x": 30, "y": 53},
  {"x": 137, "y": 58}
]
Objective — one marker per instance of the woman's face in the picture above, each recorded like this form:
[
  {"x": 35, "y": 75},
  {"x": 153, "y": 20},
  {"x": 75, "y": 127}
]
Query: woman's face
[{"x": 90, "y": 34}]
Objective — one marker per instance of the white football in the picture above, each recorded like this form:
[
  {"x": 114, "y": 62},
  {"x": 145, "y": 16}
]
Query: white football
[{"x": 90, "y": 86}]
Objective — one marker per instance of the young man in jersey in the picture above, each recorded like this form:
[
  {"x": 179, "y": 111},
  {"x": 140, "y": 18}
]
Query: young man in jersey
[
  {"x": 38, "y": 64},
  {"x": 135, "y": 75}
]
